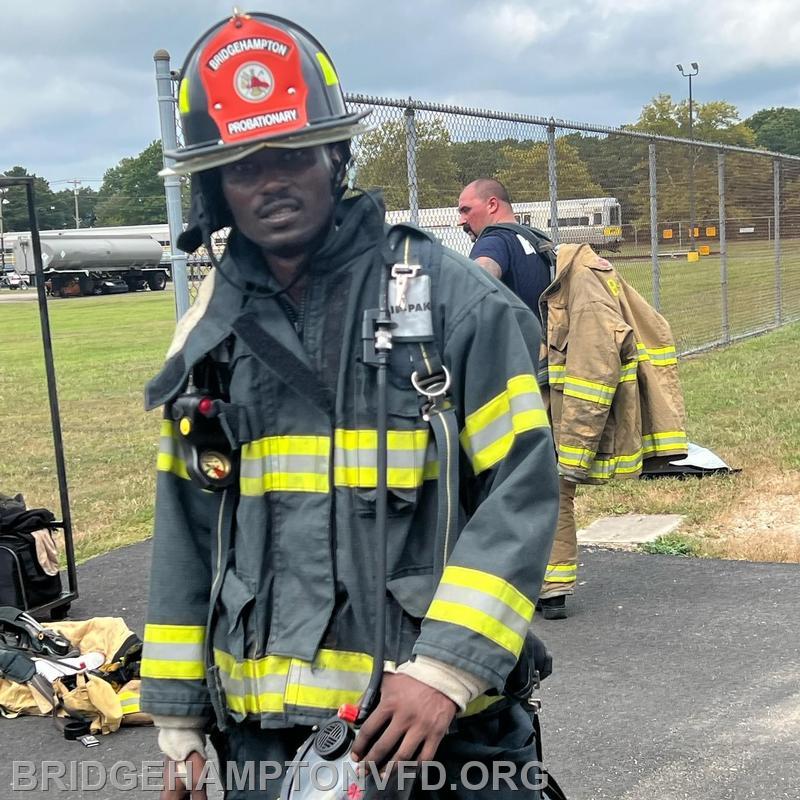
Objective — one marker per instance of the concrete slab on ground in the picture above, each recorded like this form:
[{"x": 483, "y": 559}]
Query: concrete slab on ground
[{"x": 628, "y": 530}]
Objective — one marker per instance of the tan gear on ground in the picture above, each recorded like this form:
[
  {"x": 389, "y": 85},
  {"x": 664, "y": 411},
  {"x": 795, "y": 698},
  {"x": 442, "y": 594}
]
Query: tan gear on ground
[
  {"x": 92, "y": 698},
  {"x": 106, "y": 702}
]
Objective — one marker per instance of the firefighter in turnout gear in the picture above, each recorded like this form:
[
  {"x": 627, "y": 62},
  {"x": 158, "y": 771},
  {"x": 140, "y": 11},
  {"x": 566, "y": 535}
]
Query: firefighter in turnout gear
[
  {"x": 612, "y": 384},
  {"x": 260, "y": 620}
]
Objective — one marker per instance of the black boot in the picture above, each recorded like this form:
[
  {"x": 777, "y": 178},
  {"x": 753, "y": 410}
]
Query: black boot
[{"x": 553, "y": 607}]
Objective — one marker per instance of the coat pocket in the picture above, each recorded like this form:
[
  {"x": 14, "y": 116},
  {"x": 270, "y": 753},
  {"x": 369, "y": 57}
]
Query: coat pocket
[
  {"x": 557, "y": 337},
  {"x": 399, "y": 502},
  {"x": 236, "y": 601},
  {"x": 413, "y": 593}
]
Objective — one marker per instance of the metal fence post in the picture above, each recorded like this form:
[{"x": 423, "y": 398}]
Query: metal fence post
[
  {"x": 654, "y": 228},
  {"x": 776, "y": 166},
  {"x": 411, "y": 164},
  {"x": 723, "y": 248},
  {"x": 172, "y": 184},
  {"x": 552, "y": 175}
]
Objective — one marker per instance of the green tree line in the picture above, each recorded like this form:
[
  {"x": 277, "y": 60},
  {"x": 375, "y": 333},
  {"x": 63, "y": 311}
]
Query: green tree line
[
  {"x": 131, "y": 194},
  {"x": 590, "y": 165}
]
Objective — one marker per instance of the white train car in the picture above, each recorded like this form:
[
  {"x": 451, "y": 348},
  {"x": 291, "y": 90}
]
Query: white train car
[{"x": 593, "y": 220}]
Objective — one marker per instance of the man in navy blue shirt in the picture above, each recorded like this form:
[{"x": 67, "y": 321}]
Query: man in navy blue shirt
[{"x": 507, "y": 255}]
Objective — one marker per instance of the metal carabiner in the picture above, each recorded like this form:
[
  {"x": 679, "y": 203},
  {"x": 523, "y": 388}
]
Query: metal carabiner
[{"x": 431, "y": 393}]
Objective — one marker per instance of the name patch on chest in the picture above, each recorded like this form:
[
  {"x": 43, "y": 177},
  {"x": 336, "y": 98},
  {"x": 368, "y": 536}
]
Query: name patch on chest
[{"x": 410, "y": 308}]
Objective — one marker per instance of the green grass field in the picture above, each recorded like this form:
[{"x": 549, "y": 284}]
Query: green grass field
[
  {"x": 105, "y": 349},
  {"x": 741, "y": 403},
  {"x": 691, "y": 292}
]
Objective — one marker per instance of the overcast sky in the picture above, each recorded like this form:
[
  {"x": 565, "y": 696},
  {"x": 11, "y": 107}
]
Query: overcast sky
[{"x": 78, "y": 88}]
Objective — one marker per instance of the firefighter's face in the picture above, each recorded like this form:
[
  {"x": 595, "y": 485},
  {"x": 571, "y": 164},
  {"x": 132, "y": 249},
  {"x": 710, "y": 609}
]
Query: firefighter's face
[
  {"x": 281, "y": 199},
  {"x": 474, "y": 212}
]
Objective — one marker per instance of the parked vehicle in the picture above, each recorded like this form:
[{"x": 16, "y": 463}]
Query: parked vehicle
[
  {"x": 13, "y": 280},
  {"x": 76, "y": 263}
]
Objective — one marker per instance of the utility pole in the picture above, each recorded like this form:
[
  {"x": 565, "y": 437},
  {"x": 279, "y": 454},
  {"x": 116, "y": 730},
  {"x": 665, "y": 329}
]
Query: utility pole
[
  {"x": 75, "y": 184},
  {"x": 690, "y": 75},
  {"x": 3, "y": 201}
]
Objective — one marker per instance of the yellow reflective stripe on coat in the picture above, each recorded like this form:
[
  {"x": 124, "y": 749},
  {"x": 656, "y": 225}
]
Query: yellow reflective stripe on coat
[
  {"x": 628, "y": 371},
  {"x": 667, "y": 441},
  {"x": 279, "y": 684},
  {"x": 561, "y": 573},
  {"x": 285, "y": 464},
  {"x": 575, "y": 456},
  {"x": 271, "y": 683},
  {"x": 174, "y": 652},
  {"x": 411, "y": 458},
  {"x": 479, "y": 704},
  {"x": 485, "y": 604},
  {"x": 129, "y": 702},
  {"x": 605, "y": 468},
  {"x": 557, "y": 374},
  {"x": 490, "y": 431},
  {"x": 168, "y": 460},
  {"x": 595, "y": 392},
  {"x": 657, "y": 356}
]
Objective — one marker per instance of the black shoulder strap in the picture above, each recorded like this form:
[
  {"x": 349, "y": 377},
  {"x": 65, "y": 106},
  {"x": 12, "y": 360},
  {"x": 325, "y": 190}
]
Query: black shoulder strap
[
  {"x": 282, "y": 362},
  {"x": 540, "y": 241},
  {"x": 431, "y": 380}
]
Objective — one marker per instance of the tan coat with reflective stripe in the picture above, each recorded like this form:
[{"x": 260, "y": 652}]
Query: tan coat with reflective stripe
[{"x": 614, "y": 393}]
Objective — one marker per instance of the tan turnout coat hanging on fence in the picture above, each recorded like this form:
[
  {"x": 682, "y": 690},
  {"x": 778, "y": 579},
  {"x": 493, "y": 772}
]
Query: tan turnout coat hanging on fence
[{"x": 615, "y": 399}]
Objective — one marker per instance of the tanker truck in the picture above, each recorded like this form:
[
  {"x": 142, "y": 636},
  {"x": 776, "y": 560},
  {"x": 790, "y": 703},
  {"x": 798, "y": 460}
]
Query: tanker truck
[{"x": 81, "y": 264}]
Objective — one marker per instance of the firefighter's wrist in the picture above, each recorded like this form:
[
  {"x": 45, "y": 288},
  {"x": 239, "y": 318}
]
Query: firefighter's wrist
[
  {"x": 459, "y": 685},
  {"x": 178, "y": 737}
]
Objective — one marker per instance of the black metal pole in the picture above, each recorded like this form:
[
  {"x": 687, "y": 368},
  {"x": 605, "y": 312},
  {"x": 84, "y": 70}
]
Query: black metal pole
[{"x": 52, "y": 392}]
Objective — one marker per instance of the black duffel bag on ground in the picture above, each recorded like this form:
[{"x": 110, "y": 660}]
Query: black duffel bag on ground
[{"x": 23, "y": 581}]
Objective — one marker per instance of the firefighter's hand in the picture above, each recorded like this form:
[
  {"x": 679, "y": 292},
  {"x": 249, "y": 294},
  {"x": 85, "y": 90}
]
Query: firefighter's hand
[
  {"x": 408, "y": 724},
  {"x": 175, "y": 788}
]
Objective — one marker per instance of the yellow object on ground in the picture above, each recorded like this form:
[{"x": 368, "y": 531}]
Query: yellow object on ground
[{"x": 107, "y": 703}]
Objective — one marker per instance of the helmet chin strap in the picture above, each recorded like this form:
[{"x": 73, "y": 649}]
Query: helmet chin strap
[
  {"x": 339, "y": 170},
  {"x": 248, "y": 289}
]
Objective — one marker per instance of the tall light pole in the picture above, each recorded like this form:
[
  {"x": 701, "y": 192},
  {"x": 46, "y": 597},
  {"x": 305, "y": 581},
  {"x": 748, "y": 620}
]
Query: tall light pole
[{"x": 690, "y": 75}]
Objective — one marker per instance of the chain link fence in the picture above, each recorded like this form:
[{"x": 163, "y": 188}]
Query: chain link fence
[{"x": 708, "y": 233}]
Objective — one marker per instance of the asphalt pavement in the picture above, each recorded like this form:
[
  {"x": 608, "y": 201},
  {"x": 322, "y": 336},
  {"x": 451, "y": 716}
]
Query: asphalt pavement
[{"x": 674, "y": 678}]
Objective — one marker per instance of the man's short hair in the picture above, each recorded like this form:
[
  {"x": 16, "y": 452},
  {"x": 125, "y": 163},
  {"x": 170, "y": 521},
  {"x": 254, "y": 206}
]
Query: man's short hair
[{"x": 490, "y": 187}]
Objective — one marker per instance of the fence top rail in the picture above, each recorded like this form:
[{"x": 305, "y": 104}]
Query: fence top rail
[{"x": 552, "y": 122}]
